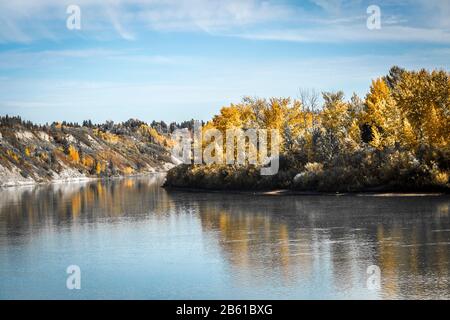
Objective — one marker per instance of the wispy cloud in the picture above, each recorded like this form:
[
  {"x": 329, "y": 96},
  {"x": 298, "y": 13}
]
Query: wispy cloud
[
  {"x": 329, "y": 20},
  {"x": 113, "y": 11},
  {"x": 351, "y": 33},
  {"x": 23, "y": 59},
  {"x": 24, "y": 21}
]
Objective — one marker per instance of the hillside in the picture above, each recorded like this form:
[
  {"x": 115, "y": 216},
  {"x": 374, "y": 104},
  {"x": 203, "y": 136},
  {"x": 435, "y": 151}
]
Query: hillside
[{"x": 31, "y": 153}]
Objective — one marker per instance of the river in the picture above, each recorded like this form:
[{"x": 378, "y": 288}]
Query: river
[{"x": 132, "y": 239}]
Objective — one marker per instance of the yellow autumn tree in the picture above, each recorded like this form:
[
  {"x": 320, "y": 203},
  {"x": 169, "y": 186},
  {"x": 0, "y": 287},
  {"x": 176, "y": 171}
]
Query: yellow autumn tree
[
  {"x": 408, "y": 138},
  {"x": 98, "y": 168},
  {"x": 423, "y": 98},
  {"x": 73, "y": 154},
  {"x": 335, "y": 117},
  {"x": 298, "y": 119},
  {"x": 354, "y": 132},
  {"x": 87, "y": 161},
  {"x": 234, "y": 116},
  {"x": 381, "y": 115},
  {"x": 377, "y": 141},
  {"x": 377, "y": 101},
  {"x": 433, "y": 128},
  {"x": 274, "y": 115}
]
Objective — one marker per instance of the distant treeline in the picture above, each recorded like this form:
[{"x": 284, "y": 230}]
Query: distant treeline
[{"x": 160, "y": 126}]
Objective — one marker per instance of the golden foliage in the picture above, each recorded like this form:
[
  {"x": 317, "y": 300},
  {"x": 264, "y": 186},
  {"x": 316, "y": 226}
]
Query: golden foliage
[
  {"x": 378, "y": 102},
  {"x": 155, "y": 136},
  {"x": 107, "y": 136},
  {"x": 408, "y": 137},
  {"x": 335, "y": 115},
  {"x": 355, "y": 132},
  {"x": 43, "y": 156},
  {"x": 13, "y": 155},
  {"x": 88, "y": 161},
  {"x": 128, "y": 171},
  {"x": 376, "y": 141},
  {"x": 98, "y": 168},
  {"x": 74, "y": 155},
  {"x": 424, "y": 99},
  {"x": 382, "y": 115},
  {"x": 441, "y": 178}
]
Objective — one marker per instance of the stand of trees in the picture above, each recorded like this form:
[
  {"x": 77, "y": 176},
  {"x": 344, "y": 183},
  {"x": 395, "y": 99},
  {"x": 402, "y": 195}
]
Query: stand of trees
[{"x": 396, "y": 138}]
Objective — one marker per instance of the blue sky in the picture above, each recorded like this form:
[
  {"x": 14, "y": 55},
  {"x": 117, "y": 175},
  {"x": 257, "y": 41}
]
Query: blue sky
[{"x": 177, "y": 60}]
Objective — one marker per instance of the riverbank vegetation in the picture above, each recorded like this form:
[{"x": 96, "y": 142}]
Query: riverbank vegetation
[{"x": 396, "y": 138}]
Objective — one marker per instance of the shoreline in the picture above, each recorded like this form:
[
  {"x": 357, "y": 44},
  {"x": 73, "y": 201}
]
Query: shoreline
[
  {"x": 287, "y": 192},
  {"x": 268, "y": 193},
  {"x": 75, "y": 180}
]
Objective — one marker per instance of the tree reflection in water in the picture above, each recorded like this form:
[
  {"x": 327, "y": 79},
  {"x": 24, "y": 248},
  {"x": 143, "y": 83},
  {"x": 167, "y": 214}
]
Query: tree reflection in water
[{"x": 295, "y": 243}]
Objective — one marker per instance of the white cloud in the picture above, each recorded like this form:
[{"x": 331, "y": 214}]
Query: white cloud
[
  {"x": 352, "y": 33},
  {"x": 210, "y": 15},
  {"x": 24, "y": 21},
  {"x": 24, "y": 59},
  {"x": 338, "y": 20},
  {"x": 332, "y": 6}
]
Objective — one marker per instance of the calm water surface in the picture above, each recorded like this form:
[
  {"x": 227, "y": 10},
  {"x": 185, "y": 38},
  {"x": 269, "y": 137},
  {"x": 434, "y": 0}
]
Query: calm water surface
[{"x": 134, "y": 240}]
